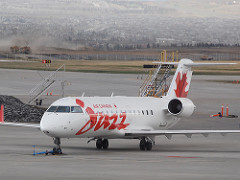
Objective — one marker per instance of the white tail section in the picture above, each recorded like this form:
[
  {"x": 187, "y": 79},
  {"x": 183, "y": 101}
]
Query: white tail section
[{"x": 182, "y": 78}]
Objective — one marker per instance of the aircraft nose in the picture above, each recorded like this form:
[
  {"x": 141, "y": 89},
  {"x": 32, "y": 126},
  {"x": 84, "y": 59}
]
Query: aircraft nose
[
  {"x": 45, "y": 130},
  {"x": 47, "y": 125}
]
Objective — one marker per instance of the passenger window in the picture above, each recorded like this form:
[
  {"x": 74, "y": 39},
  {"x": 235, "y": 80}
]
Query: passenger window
[
  {"x": 63, "y": 109},
  {"x": 147, "y": 112},
  {"x": 152, "y": 112},
  {"x": 52, "y": 109},
  {"x": 142, "y": 112},
  {"x": 76, "y": 109}
]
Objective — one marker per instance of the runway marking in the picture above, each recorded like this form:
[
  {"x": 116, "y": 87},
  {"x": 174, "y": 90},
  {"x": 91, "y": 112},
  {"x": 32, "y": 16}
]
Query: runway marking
[{"x": 182, "y": 157}]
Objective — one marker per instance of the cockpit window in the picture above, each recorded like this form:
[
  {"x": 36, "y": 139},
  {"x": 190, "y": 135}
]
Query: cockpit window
[
  {"x": 76, "y": 109},
  {"x": 52, "y": 109},
  {"x": 63, "y": 109}
]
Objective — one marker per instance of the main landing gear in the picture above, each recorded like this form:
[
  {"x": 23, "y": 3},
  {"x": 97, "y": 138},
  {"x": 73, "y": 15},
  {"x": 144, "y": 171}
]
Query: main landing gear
[
  {"x": 145, "y": 144},
  {"x": 102, "y": 144},
  {"x": 57, "y": 149}
]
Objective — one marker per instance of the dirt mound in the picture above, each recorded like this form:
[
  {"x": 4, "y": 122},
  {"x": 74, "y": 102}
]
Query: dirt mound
[{"x": 16, "y": 111}]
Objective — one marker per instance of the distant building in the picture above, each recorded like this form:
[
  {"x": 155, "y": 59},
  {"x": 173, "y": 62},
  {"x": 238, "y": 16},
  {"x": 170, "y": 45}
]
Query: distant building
[{"x": 165, "y": 41}]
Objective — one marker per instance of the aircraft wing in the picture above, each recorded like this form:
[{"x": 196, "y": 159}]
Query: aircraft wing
[
  {"x": 16, "y": 124},
  {"x": 31, "y": 125},
  {"x": 169, "y": 133}
]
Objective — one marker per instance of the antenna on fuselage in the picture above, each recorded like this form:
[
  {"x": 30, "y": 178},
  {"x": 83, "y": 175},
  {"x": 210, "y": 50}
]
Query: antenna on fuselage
[
  {"x": 112, "y": 94},
  {"x": 83, "y": 94}
]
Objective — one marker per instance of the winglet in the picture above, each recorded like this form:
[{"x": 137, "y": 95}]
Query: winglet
[{"x": 2, "y": 114}]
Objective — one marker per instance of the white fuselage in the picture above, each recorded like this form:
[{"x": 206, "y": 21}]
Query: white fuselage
[{"x": 105, "y": 117}]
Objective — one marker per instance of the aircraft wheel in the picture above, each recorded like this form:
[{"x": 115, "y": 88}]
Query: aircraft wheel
[
  {"x": 105, "y": 144},
  {"x": 142, "y": 144},
  {"x": 59, "y": 151},
  {"x": 99, "y": 144},
  {"x": 56, "y": 151},
  {"x": 148, "y": 146}
]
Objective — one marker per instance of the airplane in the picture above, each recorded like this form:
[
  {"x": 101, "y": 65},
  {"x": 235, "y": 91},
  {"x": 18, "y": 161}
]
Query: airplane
[{"x": 119, "y": 117}]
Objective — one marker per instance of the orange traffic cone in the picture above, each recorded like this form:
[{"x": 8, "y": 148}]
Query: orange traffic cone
[
  {"x": 222, "y": 109},
  {"x": 2, "y": 114},
  {"x": 227, "y": 111}
]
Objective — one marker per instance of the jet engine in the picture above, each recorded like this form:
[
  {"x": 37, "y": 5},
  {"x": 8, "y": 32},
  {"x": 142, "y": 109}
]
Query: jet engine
[{"x": 181, "y": 107}]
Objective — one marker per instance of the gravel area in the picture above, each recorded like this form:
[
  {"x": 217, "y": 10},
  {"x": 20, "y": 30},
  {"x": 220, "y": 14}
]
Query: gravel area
[{"x": 16, "y": 111}]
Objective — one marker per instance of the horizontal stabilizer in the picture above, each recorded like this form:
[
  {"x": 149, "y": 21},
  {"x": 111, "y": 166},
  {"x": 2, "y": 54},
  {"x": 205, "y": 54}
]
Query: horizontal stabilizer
[
  {"x": 208, "y": 64},
  {"x": 193, "y": 64},
  {"x": 181, "y": 81}
]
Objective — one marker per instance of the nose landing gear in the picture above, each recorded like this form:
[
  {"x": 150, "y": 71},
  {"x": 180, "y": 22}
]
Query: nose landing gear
[
  {"x": 145, "y": 144},
  {"x": 102, "y": 144},
  {"x": 57, "y": 149}
]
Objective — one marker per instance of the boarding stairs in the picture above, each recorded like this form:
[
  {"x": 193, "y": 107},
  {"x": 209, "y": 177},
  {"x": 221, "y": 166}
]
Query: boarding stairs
[
  {"x": 156, "y": 82},
  {"x": 45, "y": 84}
]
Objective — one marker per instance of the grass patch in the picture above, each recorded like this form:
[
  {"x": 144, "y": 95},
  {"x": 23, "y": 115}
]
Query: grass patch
[{"x": 104, "y": 66}]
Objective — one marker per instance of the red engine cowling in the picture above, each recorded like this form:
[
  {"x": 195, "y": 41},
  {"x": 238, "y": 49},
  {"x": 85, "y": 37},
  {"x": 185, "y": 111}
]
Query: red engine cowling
[{"x": 181, "y": 107}]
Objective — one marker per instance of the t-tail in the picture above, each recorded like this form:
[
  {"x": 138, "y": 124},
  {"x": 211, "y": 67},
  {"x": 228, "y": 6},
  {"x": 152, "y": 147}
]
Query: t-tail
[{"x": 181, "y": 81}]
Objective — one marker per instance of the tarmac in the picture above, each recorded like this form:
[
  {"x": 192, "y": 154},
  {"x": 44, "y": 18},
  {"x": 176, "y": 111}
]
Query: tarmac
[{"x": 214, "y": 157}]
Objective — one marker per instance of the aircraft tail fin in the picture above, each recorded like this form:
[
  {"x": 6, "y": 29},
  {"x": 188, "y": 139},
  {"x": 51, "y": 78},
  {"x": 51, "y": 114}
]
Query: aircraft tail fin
[{"x": 182, "y": 78}]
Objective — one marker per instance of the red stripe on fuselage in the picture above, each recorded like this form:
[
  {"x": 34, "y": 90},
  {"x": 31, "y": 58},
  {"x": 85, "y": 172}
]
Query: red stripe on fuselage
[
  {"x": 80, "y": 103},
  {"x": 99, "y": 120}
]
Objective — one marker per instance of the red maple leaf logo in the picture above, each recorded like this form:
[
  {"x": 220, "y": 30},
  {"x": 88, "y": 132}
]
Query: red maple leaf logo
[{"x": 181, "y": 85}]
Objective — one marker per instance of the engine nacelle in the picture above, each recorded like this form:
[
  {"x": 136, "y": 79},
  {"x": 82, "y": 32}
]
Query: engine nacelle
[{"x": 181, "y": 107}]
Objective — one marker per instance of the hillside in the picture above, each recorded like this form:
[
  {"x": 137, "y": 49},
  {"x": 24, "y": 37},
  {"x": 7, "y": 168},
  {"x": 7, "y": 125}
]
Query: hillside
[{"x": 78, "y": 23}]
